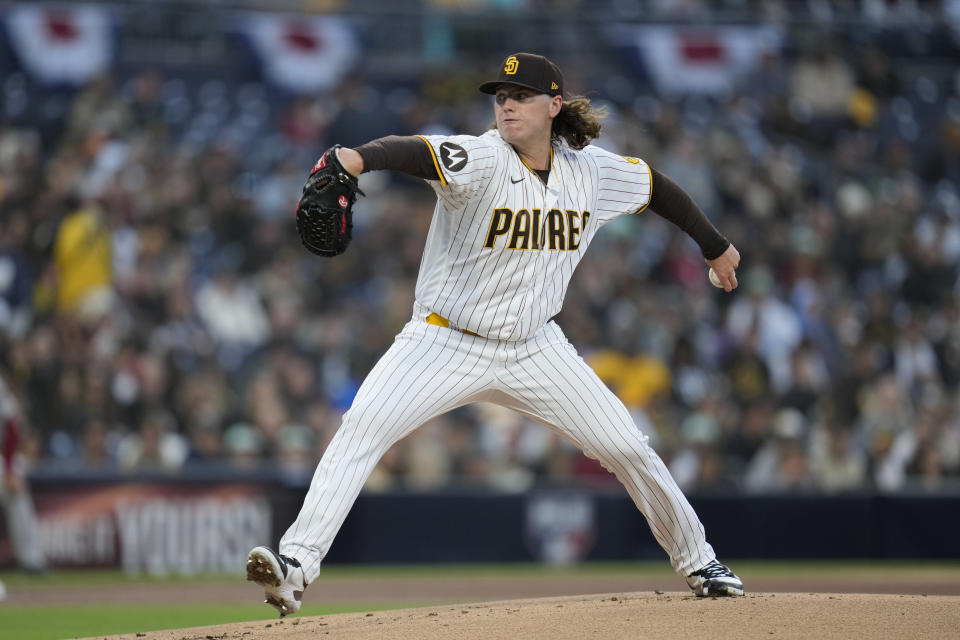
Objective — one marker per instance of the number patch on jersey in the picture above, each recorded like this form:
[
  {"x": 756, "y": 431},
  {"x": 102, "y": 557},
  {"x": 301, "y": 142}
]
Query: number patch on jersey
[
  {"x": 528, "y": 229},
  {"x": 453, "y": 156}
]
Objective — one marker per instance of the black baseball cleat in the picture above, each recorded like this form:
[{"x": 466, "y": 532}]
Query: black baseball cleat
[
  {"x": 280, "y": 576},
  {"x": 715, "y": 579}
]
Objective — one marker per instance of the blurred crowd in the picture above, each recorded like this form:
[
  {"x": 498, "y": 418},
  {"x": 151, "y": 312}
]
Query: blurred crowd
[{"x": 158, "y": 314}]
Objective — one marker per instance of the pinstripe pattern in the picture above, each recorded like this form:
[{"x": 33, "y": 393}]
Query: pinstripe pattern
[
  {"x": 524, "y": 362},
  {"x": 563, "y": 391},
  {"x": 393, "y": 400},
  {"x": 430, "y": 370}
]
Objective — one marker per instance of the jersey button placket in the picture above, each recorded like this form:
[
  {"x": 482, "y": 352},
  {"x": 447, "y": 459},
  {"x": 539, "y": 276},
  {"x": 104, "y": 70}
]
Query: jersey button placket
[{"x": 551, "y": 200}]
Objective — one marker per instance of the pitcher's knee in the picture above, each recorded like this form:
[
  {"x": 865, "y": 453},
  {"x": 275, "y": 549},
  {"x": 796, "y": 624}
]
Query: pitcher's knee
[
  {"x": 613, "y": 452},
  {"x": 359, "y": 435}
]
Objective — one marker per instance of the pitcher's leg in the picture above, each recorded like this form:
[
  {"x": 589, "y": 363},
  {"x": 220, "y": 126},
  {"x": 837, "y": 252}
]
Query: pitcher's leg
[
  {"x": 563, "y": 391},
  {"x": 420, "y": 376}
]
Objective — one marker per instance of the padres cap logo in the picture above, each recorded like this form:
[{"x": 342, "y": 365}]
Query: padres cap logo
[{"x": 527, "y": 70}]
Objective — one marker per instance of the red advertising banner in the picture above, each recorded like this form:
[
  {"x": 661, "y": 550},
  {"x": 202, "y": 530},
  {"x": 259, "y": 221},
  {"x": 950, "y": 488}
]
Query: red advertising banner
[{"x": 150, "y": 528}]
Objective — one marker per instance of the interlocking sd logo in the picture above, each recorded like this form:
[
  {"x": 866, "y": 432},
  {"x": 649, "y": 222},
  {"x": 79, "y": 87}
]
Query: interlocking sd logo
[{"x": 511, "y": 66}]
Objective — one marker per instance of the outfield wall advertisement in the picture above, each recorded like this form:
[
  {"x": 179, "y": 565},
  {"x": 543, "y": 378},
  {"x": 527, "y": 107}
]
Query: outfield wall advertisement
[
  {"x": 151, "y": 528},
  {"x": 164, "y": 526}
]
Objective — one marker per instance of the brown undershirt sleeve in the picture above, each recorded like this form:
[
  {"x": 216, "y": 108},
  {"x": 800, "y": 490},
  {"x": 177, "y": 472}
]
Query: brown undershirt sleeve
[
  {"x": 408, "y": 154},
  {"x": 671, "y": 202}
]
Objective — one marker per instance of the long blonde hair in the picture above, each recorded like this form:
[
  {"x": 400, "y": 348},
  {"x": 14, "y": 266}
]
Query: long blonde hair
[{"x": 578, "y": 122}]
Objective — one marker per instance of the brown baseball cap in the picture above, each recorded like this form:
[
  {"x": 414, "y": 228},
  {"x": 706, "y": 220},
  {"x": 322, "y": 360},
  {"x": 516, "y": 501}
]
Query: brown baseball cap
[{"x": 528, "y": 70}]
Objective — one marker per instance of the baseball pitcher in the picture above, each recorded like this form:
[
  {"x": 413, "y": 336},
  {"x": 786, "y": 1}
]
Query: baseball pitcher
[{"x": 516, "y": 209}]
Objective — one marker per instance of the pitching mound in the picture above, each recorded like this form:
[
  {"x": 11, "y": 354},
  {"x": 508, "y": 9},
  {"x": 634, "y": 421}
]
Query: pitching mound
[{"x": 614, "y": 616}]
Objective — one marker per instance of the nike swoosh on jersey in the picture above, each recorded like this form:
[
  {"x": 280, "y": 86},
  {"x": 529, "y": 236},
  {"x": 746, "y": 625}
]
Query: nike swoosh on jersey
[{"x": 517, "y": 180}]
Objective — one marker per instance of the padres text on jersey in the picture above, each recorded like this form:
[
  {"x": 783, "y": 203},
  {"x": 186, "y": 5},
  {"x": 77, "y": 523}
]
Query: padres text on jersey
[
  {"x": 560, "y": 232},
  {"x": 503, "y": 245}
]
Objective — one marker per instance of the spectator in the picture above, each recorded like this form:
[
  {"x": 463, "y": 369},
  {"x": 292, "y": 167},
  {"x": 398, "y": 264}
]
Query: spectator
[
  {"x": 82, "y": 260},
  {"x": 244, "y": 445},
  {"x": 156, "y": 446},
  {"x": 772, "y": 326},
  {"x": 233, "y": 313},
  {"x": 837, "y": 460},
  {"x": 295, "y": 447},
  {"x": 97, "y": 446},
  {"x": 15, "y": 278},
  {"x": 809, "y": 379},
  {"x": 821, "y": 85},
  {"x": 699, "y": 464},
  {"x": 781, "y": 463}
]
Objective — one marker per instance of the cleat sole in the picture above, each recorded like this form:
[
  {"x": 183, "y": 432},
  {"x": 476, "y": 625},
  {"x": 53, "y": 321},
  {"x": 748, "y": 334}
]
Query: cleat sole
[
  {"x": 722, "y": 590},
  {"x": 260, "y": 570},
  {"x": 277, "y": 604}
]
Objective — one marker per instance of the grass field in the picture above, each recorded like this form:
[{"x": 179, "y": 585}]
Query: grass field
[
  {"x": 59, "y": 622},
  {"x": 35, "y": 620}
]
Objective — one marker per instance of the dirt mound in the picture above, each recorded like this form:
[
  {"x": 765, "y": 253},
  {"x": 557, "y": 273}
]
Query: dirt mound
[
  {"x": 375, "y": 590},
  {"x": 615, "y": 616}
]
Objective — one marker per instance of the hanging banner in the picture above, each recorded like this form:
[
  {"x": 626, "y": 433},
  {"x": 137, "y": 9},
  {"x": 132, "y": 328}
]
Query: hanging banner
[
  {"x": 61, "y": 43},
  {"x": 702, "y": 60},
  {"x": 302, "y": 53}
]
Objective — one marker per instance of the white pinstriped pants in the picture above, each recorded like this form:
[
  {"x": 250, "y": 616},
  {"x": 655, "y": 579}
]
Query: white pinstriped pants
[{"x": 430, "y": 370}]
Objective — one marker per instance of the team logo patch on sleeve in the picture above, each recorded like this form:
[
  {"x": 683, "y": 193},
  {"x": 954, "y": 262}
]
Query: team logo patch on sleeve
[
  {"x": 631, "y": 160},
  {"x": 453, "y": 156}
]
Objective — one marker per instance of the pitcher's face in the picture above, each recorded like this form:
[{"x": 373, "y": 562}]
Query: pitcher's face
[{"x": 524, "y": 115}]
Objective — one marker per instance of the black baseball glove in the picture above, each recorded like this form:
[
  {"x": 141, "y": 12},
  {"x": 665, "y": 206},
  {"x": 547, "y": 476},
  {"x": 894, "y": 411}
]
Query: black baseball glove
[{"x": 325, "y": 210}]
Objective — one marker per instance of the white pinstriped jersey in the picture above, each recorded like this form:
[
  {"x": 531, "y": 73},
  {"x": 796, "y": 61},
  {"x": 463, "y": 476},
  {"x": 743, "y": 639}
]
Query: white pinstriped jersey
[{"x": 502, "y": 245}]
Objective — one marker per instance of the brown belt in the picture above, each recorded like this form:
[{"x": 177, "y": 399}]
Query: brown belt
[{"x": 440, "y": 321}]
